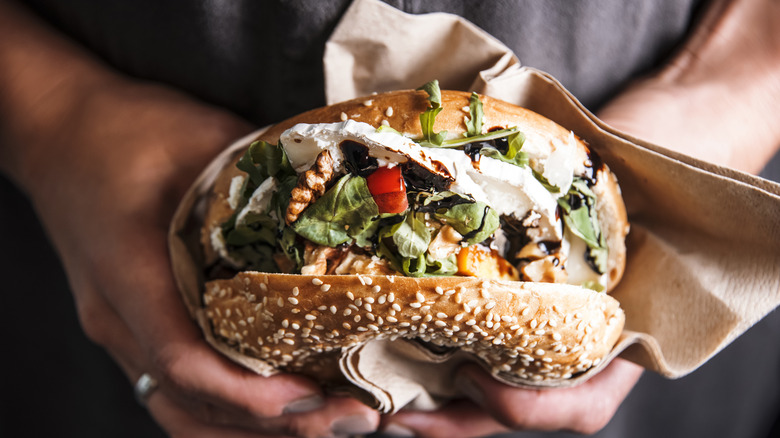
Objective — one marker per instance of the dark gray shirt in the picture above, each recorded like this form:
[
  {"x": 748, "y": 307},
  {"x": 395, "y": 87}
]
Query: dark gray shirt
[{"x": 262, "y": 59}]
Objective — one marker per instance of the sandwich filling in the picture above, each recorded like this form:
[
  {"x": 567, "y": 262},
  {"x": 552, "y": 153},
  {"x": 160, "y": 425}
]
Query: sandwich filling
[{"x": 348, "y": 198}]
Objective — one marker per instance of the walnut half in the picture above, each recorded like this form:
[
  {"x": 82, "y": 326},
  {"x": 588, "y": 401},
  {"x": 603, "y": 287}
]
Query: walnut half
[{"x": 311, "y": 185}]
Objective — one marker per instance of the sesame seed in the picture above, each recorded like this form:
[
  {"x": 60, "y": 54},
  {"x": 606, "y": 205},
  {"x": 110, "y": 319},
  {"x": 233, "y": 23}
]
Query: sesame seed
[
  {"x": 368, "y": 280},
  {"x": 359, "y": 302},
  {"x": 373, "y": 327},
  {"x": 295, "y": 291},
  {"x": 350, "y": 295},
  {"x": 441, "y": 315},
  {"x": 292, "y": 300},
  {"x": 471, "y": 322},
  {"x": 416, "y": 318},
  {"x": 539, "y": 332},
  {"x": 316, "y": 281},
  {"x": 420, "y": 297},
  {"x": 362, "y": 329},
  {"x": 557, "y": 336},
  {"x": 385, "y": 122},
  {"x": 357, "y": 318},
  {"x": 347, "y": 311},
  {"x": 367, "y": 306},
  {"x": 333, "y": 309},
  {"x": 390, "y": 297},
  {"x": 251, "y": 319},
  {"x": 325, "y": 287},
  {"x": 458, "y": 317},
  {"x": 285, "y": 323},
  {"x": 415, "y": 305},
  {"x": 533, "y": 324},
  {"x": 391, "y": 319},
  {"x": 288, "y": 341},
  {"x": 295, "y": 326},
  {"x": 539, "y": 352},
  {"x": 526, "y": 311},
  {"x": 343, "y": 117},
  {"x": 439, "y": 290},
  {"x": 346, "y": 326},
  {"x": 369, "y": 300},
  {"x": 376, "y": 289},
  {"x": 490, "y": 305},
  {"x": 396, "y": 307},
  {"x": 381, "y": 299},
  {"x": 295, "y": 310},
  {"x": 310, "y": 317},
  {"x": 371, "y": 316}
]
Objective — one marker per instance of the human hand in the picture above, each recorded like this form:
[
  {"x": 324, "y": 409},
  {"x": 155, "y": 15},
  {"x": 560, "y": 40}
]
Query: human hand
[
  {"x": 105, "y": 186},
  {"x": 494, "y": 408}
]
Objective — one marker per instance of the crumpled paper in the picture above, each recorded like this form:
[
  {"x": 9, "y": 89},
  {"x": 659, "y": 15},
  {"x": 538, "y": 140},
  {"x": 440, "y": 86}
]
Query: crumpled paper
[{"x": 703, "y": 252}]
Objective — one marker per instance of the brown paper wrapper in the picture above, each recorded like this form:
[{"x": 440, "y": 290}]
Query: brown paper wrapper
[{"x": 703, "y": 252}]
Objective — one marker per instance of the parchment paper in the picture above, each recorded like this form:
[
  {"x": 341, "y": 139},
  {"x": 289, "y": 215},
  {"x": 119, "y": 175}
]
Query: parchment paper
[{"x": 703, "y": 251}]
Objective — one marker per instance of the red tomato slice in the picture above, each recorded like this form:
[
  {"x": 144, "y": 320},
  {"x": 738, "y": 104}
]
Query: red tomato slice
[
  {"x": 387, "y": 187},
  {"x": 394, "y": 202}
]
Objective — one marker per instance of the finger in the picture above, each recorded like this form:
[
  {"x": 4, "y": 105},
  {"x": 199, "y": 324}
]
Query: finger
[
  {"x": 183, "y": 423},
  {"x": 586, "y": 408},
  {"x": 459, "y": 419}
]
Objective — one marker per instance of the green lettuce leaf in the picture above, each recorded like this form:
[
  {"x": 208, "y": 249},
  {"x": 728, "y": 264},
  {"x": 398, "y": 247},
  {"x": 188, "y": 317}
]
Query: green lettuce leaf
[
  {"x": 428, "y": 117},
  {"x": 580, "y": 217},
  {"x": 344, "y": 211},
  {"x": 475, "y": 221},
  {"x": 513, "y": 154},
  {"x": 412, "y": 237},
  {"x": 474, "y": 121}
]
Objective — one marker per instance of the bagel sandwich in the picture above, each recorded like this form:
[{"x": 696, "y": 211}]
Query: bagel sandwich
[{"x": 451, "y": 220}]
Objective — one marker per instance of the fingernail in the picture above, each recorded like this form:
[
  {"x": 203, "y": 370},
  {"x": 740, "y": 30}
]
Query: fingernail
[
  {"x": 305, "y": 404},
  {"x": 352, "y": 425},
  {"x": 470, "y": 389},
  {"x": 395, "y": 429}
]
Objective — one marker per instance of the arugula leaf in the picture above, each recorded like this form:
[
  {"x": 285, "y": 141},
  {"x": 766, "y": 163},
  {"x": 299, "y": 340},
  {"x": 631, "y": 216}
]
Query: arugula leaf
[
  {"x": 492, "y": 135},
  {"x": 291, "y": 248},
  {"x": 580, "y": 216},
  {"x": 428, "y": 117},
  {"x": 412, "y": 237},
  {"x": 474, "y": 122},
  {"x": 343, "y": 212},
  {"x": 262, "y": 160},
  {"x": 513, "y": 154},
  {"x": 475, "y": 221}
]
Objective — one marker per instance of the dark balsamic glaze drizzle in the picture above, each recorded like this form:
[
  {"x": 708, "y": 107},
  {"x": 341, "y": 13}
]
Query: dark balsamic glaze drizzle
[
  {"x": 356, "y": 158},
  {"x": 592, "y": 167},
  {"x": 420, "y": 179}
]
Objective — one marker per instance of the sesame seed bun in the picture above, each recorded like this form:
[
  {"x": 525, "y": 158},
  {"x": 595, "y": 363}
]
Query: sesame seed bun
[{"x": 528, "y": 333}]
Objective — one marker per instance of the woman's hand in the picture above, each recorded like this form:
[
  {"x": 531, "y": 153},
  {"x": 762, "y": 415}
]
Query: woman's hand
[{"x": 105, "y": 161}]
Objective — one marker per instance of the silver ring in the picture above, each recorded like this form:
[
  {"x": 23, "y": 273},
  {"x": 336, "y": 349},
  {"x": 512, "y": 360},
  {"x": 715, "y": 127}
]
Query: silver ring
[{"x": 144, "y": 387}]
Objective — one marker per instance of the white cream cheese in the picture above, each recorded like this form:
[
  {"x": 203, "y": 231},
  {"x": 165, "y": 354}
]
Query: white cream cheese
[
  {"x": 560, "y": 165},
  {"x": 258, "y": 202},
  {"x": 234, "y": 193},
  {"x": 303, "y": 142},
  {"x": 577, "y": 267}
]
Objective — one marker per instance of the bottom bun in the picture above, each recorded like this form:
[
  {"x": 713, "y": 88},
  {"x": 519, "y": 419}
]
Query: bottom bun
[{"x": 526, "y": 332}]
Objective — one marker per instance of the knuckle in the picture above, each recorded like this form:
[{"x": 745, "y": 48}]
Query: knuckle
[{"x": 93, "y": 323}]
